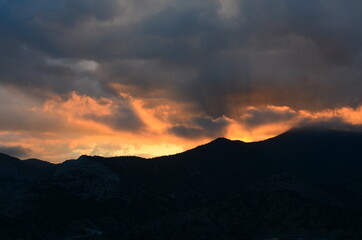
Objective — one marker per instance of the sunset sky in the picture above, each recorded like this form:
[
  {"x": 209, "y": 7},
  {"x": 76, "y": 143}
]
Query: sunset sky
[{"x": 149, "y": 78}]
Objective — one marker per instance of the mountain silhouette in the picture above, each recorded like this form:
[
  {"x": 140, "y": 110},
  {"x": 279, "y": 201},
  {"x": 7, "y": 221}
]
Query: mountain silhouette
[{"x": 305, "y": 182}]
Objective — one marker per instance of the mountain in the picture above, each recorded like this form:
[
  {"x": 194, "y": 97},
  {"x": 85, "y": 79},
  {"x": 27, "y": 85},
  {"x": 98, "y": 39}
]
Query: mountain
[{"x": 305, "y": 182}]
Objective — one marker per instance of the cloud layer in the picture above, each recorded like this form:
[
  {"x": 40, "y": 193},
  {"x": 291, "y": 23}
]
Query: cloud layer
[{"x": 175, "y": 69}]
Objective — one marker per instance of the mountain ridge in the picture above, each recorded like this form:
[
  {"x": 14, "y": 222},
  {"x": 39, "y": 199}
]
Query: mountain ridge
[
  {"x": 296, "y": 183},
  {"x": 301, "y": 132}
]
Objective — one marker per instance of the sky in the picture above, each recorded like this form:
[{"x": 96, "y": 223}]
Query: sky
[{"x": 150, "y": 78}]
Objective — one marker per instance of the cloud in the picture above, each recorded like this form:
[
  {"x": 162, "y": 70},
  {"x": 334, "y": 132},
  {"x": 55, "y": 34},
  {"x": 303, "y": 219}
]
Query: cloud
[
  {"x": 253, "y": 117},
  {"x": 15, "y": 151},
  {"x": 194, "y": 69},
  {"x": 74, "y": 114},
  {"x": 334, "y": 123},
  {"x": 121, "y": 118},
  {"x": 201, "y": 128},
  {"x": 22, "y": 113},
  {"x": 115, "y": 113},
  {"x": 259, "y": 123},
  {"x": 228, "y": 8},
  {"x": 304, "y": 55}
]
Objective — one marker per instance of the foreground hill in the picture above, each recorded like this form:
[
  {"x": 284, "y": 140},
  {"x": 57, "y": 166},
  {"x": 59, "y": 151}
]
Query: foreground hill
[{"x": 303, "y": 182}]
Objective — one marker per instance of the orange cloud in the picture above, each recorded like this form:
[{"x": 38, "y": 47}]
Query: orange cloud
[
  {"x": 60, "y": 129},
  {"x": 259, "y": 123}
]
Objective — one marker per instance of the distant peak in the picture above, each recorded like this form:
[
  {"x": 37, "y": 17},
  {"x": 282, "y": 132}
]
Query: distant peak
[
  {"x": 90, "y": 158},
  {"x": 221, "y": 140},
  {"x": 84, "y": 157},
  {"x": 6, "y": 156},
  {"x": 307, "y": 131}
]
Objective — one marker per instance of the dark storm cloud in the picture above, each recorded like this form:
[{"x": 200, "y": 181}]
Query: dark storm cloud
[
  {"x": 41, "y": 75},
  {"x": 336, "y": 123},
  {"x": 254, "y": 117},
  {"x": 123, "y": 117},
  {"x": 33, "y": 55},
  {"x": 44, "y": 25},
  {"x": 202, "y": 127},
  {"x": 16, "y": 151},
  {"x": 305, "y": 55},
  {"x": 219, "y": 55}
]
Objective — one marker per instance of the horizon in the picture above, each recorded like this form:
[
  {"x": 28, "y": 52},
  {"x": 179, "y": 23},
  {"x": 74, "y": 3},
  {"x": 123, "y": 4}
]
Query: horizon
[
  {"x": 313, "y": 129},
  {"x": 180, "y": 119},
  {"x": 119, "y": 77},
  {"x": 62, "y": 161},
  {"x": 304, "y": 182}
]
